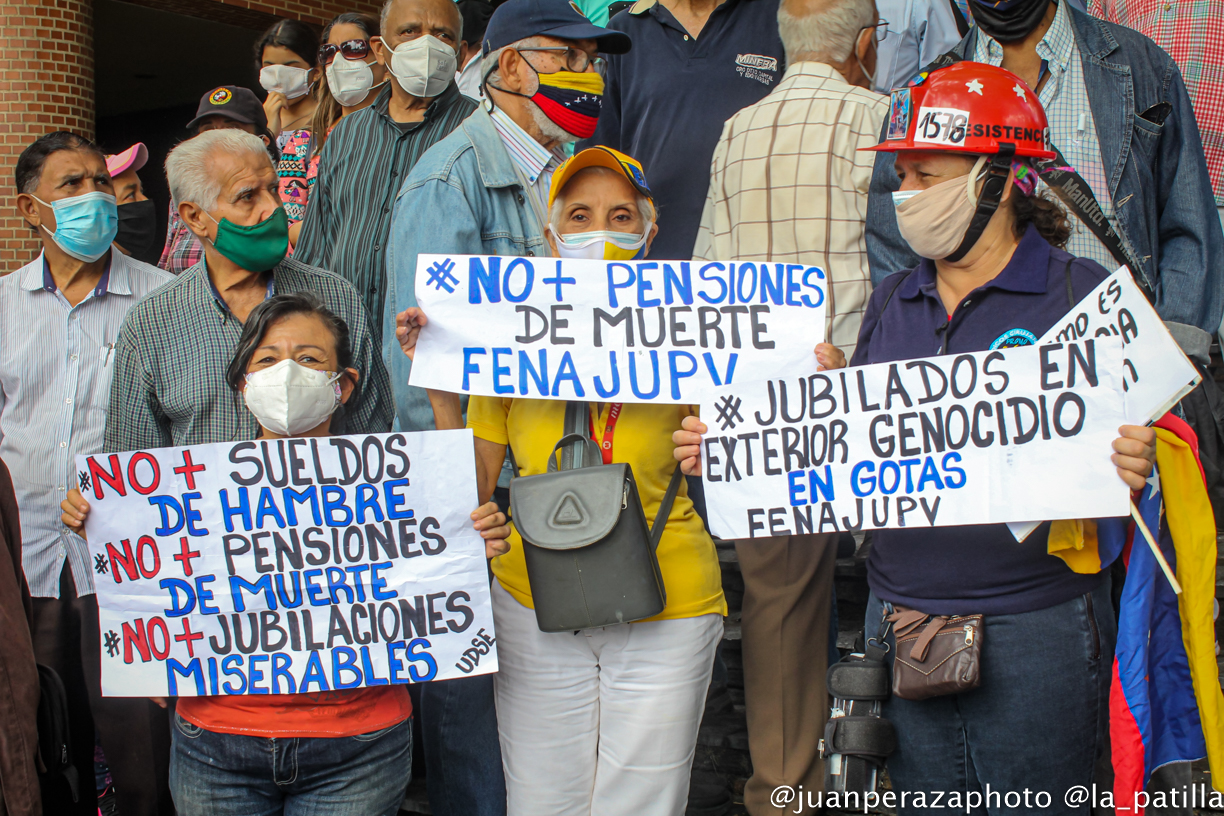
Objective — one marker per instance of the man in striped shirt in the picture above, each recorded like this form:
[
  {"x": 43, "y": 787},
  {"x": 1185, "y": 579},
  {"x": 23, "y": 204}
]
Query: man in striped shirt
[
  {"x": 371, "y": 152},
  {"x": 60, "y": 316}
]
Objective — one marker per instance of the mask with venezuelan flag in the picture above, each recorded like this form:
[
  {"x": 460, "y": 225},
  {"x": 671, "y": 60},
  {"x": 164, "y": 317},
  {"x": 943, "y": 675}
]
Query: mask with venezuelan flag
[
  {"x": 602, "y": 245},
  {"x": 571, "y": 100}
]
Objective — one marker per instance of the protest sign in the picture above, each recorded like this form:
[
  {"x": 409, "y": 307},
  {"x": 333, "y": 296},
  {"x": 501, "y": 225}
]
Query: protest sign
[
  {"x": 623, "y": 331},
  {"x": 967, "y": 439},
  {"x": 288, "y": 565},
  {"x": 1155, "y": 372}
]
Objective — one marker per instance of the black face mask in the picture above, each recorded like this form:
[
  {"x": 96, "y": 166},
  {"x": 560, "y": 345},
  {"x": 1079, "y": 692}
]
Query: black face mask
[
  {"x": 138, "y": 230},
  {"x": 1011, "y": 24}
]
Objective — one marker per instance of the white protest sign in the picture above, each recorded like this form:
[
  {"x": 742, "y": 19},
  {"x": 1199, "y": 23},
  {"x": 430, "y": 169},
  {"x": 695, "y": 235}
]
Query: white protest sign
[
  {"x": 966, "y": 439},
  {"x": 623, "y": 331},
  {"x": 289, "y": 565},
  {"x": 1155, "y": 372}
]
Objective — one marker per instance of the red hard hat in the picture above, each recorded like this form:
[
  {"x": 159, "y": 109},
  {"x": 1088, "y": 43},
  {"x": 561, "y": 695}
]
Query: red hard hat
[{"x": 967, "y": 107}]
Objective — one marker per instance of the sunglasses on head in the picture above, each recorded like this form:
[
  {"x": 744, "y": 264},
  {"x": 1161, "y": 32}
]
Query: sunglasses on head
[{"x": 352, "y": 49}]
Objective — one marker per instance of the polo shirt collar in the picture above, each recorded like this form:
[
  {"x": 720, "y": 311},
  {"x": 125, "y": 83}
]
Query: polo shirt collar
[
  {"x": 1027, "y": 272},
  {"x": 528, "y": 155},
  {"x": 201, "y": 271},
  {"x": 815, "y": 69},
  {"x": 38, "y": 276}
]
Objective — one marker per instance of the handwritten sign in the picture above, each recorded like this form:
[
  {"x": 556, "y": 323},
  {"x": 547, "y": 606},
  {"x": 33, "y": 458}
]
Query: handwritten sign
[
  {"x": 288, "y": 566},
  {"x": 1155, "y": 371},
  {"x": 628, "y": 331},
  {"x": 967, "y": 439}
]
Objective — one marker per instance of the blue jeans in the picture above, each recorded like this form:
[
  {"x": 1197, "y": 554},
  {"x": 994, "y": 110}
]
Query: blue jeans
[
  {"x": 214, "y": 774},
  {"x": 463, "y": 765},
  {"x": 1037, "y": 721}
]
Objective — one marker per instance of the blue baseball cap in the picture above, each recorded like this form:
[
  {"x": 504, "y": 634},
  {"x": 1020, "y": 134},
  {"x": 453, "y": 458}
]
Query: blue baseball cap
[{"x": 517, "y": 20}]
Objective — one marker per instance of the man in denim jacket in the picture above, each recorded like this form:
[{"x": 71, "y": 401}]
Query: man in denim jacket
[
  {"x": 483, "y": 190},
  {"x": 1119, "y": 112}
]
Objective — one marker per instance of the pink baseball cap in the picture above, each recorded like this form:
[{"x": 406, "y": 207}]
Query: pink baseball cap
[{"x": 133, "y": 158}]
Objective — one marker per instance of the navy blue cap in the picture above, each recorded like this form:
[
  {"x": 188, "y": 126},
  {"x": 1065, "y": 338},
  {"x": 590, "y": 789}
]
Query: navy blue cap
[{"x": 517, "y": 20}]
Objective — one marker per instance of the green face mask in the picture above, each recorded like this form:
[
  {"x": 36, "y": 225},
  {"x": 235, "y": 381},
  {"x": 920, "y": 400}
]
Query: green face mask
[{"x": 256, "y": 248}]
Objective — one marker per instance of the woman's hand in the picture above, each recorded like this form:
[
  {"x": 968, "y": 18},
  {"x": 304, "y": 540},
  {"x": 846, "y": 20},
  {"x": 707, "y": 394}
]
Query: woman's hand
[
  {"x": 829, "y": 357},
  {"x": 491, "y": 524},
  {"x": 1134, "y": 454},
  {"x": 74, "y": 509},
  {"x": 273, "y": 107},
  {"x": 688, "y": 445},
  {"x": 408, "y": 325},
  {"x": 162, "y": 702}
]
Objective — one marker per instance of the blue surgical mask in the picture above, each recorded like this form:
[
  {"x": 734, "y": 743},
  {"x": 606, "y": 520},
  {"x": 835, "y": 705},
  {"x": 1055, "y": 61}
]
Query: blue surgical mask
[{"x": 85, "y": 225}]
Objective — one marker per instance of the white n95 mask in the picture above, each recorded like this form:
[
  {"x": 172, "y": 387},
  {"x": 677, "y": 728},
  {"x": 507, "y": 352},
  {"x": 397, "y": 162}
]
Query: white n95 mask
[
  {"x": 293, "y": 82},
  {"x": 349, "y": 80},
  {"x": 290, "y": 399},
  {"x": 424, "y": 66},
  {"x": 602, "y": 245}
]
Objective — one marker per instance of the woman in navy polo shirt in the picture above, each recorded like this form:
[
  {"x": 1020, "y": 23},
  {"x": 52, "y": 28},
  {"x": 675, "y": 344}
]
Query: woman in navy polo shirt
[{"x": 992, "y": 276}]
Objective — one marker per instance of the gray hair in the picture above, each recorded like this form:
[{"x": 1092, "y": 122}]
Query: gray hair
[
  {"x": 826, "y": 34},
  {"x": 189, "y": 165},
  {"x": 646, "y": 207},
  {"x": 489, "y": 72},
  {"x": 386, "y": 12}
]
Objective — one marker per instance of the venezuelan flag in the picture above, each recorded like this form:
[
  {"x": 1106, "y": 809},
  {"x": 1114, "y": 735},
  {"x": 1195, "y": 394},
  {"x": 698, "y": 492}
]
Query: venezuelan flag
[{"x": 1165, "y": 701}]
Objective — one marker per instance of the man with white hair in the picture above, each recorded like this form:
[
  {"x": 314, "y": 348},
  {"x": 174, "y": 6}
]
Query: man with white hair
[
  {"x": 169, "y": 383},
  {"x": 789, "y": 185},
  {"x": 483, "y": 190}
]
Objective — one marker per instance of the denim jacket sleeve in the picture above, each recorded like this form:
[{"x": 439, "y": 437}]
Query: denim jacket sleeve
[
  {"x": 432, "y": 215},
  {"x": 1189, "y": 247}
]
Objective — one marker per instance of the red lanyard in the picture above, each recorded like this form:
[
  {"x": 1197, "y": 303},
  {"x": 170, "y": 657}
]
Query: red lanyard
[{"x": 605, "y": 446}]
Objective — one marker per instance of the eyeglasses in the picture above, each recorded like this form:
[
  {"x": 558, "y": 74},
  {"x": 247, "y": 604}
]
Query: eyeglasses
[
  {"x": 352, "y": 49},
  {"x": 881, "y": 30},
  {"x": 576, "y": 59}
]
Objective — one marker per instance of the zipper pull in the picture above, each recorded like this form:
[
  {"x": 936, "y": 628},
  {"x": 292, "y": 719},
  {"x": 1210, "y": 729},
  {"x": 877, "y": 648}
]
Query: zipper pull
[
  {"x": 969, "y": 635},
  {"x": 625, "y": 497}
]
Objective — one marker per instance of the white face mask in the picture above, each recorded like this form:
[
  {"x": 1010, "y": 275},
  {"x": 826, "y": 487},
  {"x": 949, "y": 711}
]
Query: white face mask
[
  {"x": 290, "y": 399},
  {"x": 602, "y": 245},
  {"x": 349, "y": 80},
  {"x": 293, "y": 82},
  {"x": 424, "y": 66}
]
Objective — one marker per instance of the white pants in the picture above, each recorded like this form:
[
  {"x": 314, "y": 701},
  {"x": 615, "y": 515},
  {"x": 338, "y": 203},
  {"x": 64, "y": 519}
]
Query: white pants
[{"x": 602, "y": 722}]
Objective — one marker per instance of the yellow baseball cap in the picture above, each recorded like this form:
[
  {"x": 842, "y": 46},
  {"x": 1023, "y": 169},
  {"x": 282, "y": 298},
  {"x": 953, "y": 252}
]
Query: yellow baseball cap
[{"x": 599, "y": 157}]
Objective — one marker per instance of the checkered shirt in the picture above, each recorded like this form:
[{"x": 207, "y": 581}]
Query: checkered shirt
[
  {"x": 1065, "y": 99},
  {"x": 183, "y": 250},
  {"x": 1192, "y": 31},
  {"x": 789, "y": 184}
]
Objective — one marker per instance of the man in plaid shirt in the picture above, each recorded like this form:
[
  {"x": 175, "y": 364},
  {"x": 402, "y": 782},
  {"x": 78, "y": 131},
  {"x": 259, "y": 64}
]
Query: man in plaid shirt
[{"x": 169, "y": 382}]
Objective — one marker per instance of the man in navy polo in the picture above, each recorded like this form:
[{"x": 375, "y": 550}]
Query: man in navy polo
[{"x": 694, "y": 63}]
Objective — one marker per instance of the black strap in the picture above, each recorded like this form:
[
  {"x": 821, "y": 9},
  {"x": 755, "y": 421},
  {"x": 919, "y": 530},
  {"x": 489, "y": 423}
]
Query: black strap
[
  {"x": 1070, "y": 290},
  {"x": 962, "y": 26},
  {"x": 665, "y": 507},
  {"x": 888, "y": 299},
  {"x": 1077, "y": 196},
  {"x": 997, "y": 171}
]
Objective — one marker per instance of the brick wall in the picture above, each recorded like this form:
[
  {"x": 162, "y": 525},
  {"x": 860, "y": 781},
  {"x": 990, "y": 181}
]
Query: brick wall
[
  {"x": 47, "y": 77},
  {"x": 46, "y": 83}
]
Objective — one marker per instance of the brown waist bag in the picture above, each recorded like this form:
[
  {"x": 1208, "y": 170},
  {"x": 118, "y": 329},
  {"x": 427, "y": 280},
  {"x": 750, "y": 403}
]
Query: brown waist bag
[{"x": 935, "y": 654}]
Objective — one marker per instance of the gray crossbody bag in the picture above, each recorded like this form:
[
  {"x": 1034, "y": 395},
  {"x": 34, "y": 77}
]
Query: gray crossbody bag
[{"x": 590, "y": 556}]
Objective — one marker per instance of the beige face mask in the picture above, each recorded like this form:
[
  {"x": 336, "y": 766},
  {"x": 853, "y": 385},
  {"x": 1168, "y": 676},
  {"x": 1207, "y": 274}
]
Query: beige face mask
[{"x": 934, "y": 221}]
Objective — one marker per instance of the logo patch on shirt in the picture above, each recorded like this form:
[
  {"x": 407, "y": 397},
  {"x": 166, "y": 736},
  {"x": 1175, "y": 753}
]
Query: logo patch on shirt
[
  {"x": 1013, "y": 338},
  {"x": 758, "y": 67}
]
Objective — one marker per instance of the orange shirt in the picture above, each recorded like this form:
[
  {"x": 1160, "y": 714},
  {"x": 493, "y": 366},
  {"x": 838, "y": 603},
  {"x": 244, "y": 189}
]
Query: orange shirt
[{"x": 343, "y": 713}]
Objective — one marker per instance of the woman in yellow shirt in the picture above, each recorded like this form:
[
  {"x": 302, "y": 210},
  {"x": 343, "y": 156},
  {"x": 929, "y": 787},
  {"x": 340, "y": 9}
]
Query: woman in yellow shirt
[{"x": 599, "y": 721}]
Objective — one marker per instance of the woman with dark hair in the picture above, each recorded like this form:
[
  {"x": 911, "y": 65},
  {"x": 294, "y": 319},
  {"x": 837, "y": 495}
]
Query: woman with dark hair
[
  {"x": 351, "y": 76},
  {"x": 967, "y": 140},
  {"x": 287, "y": 55},
  {"x": 347, "y": 752}
]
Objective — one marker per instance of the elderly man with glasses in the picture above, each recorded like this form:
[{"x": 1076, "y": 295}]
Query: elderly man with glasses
[{"x": 483, "y": 190}]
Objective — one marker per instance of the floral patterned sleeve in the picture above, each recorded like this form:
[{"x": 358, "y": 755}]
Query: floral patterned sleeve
[{"x": 295, "y": 175}]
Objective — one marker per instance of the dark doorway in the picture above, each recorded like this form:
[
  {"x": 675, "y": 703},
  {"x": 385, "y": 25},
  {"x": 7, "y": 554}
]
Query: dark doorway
[{"x": 151, "y": 68}]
